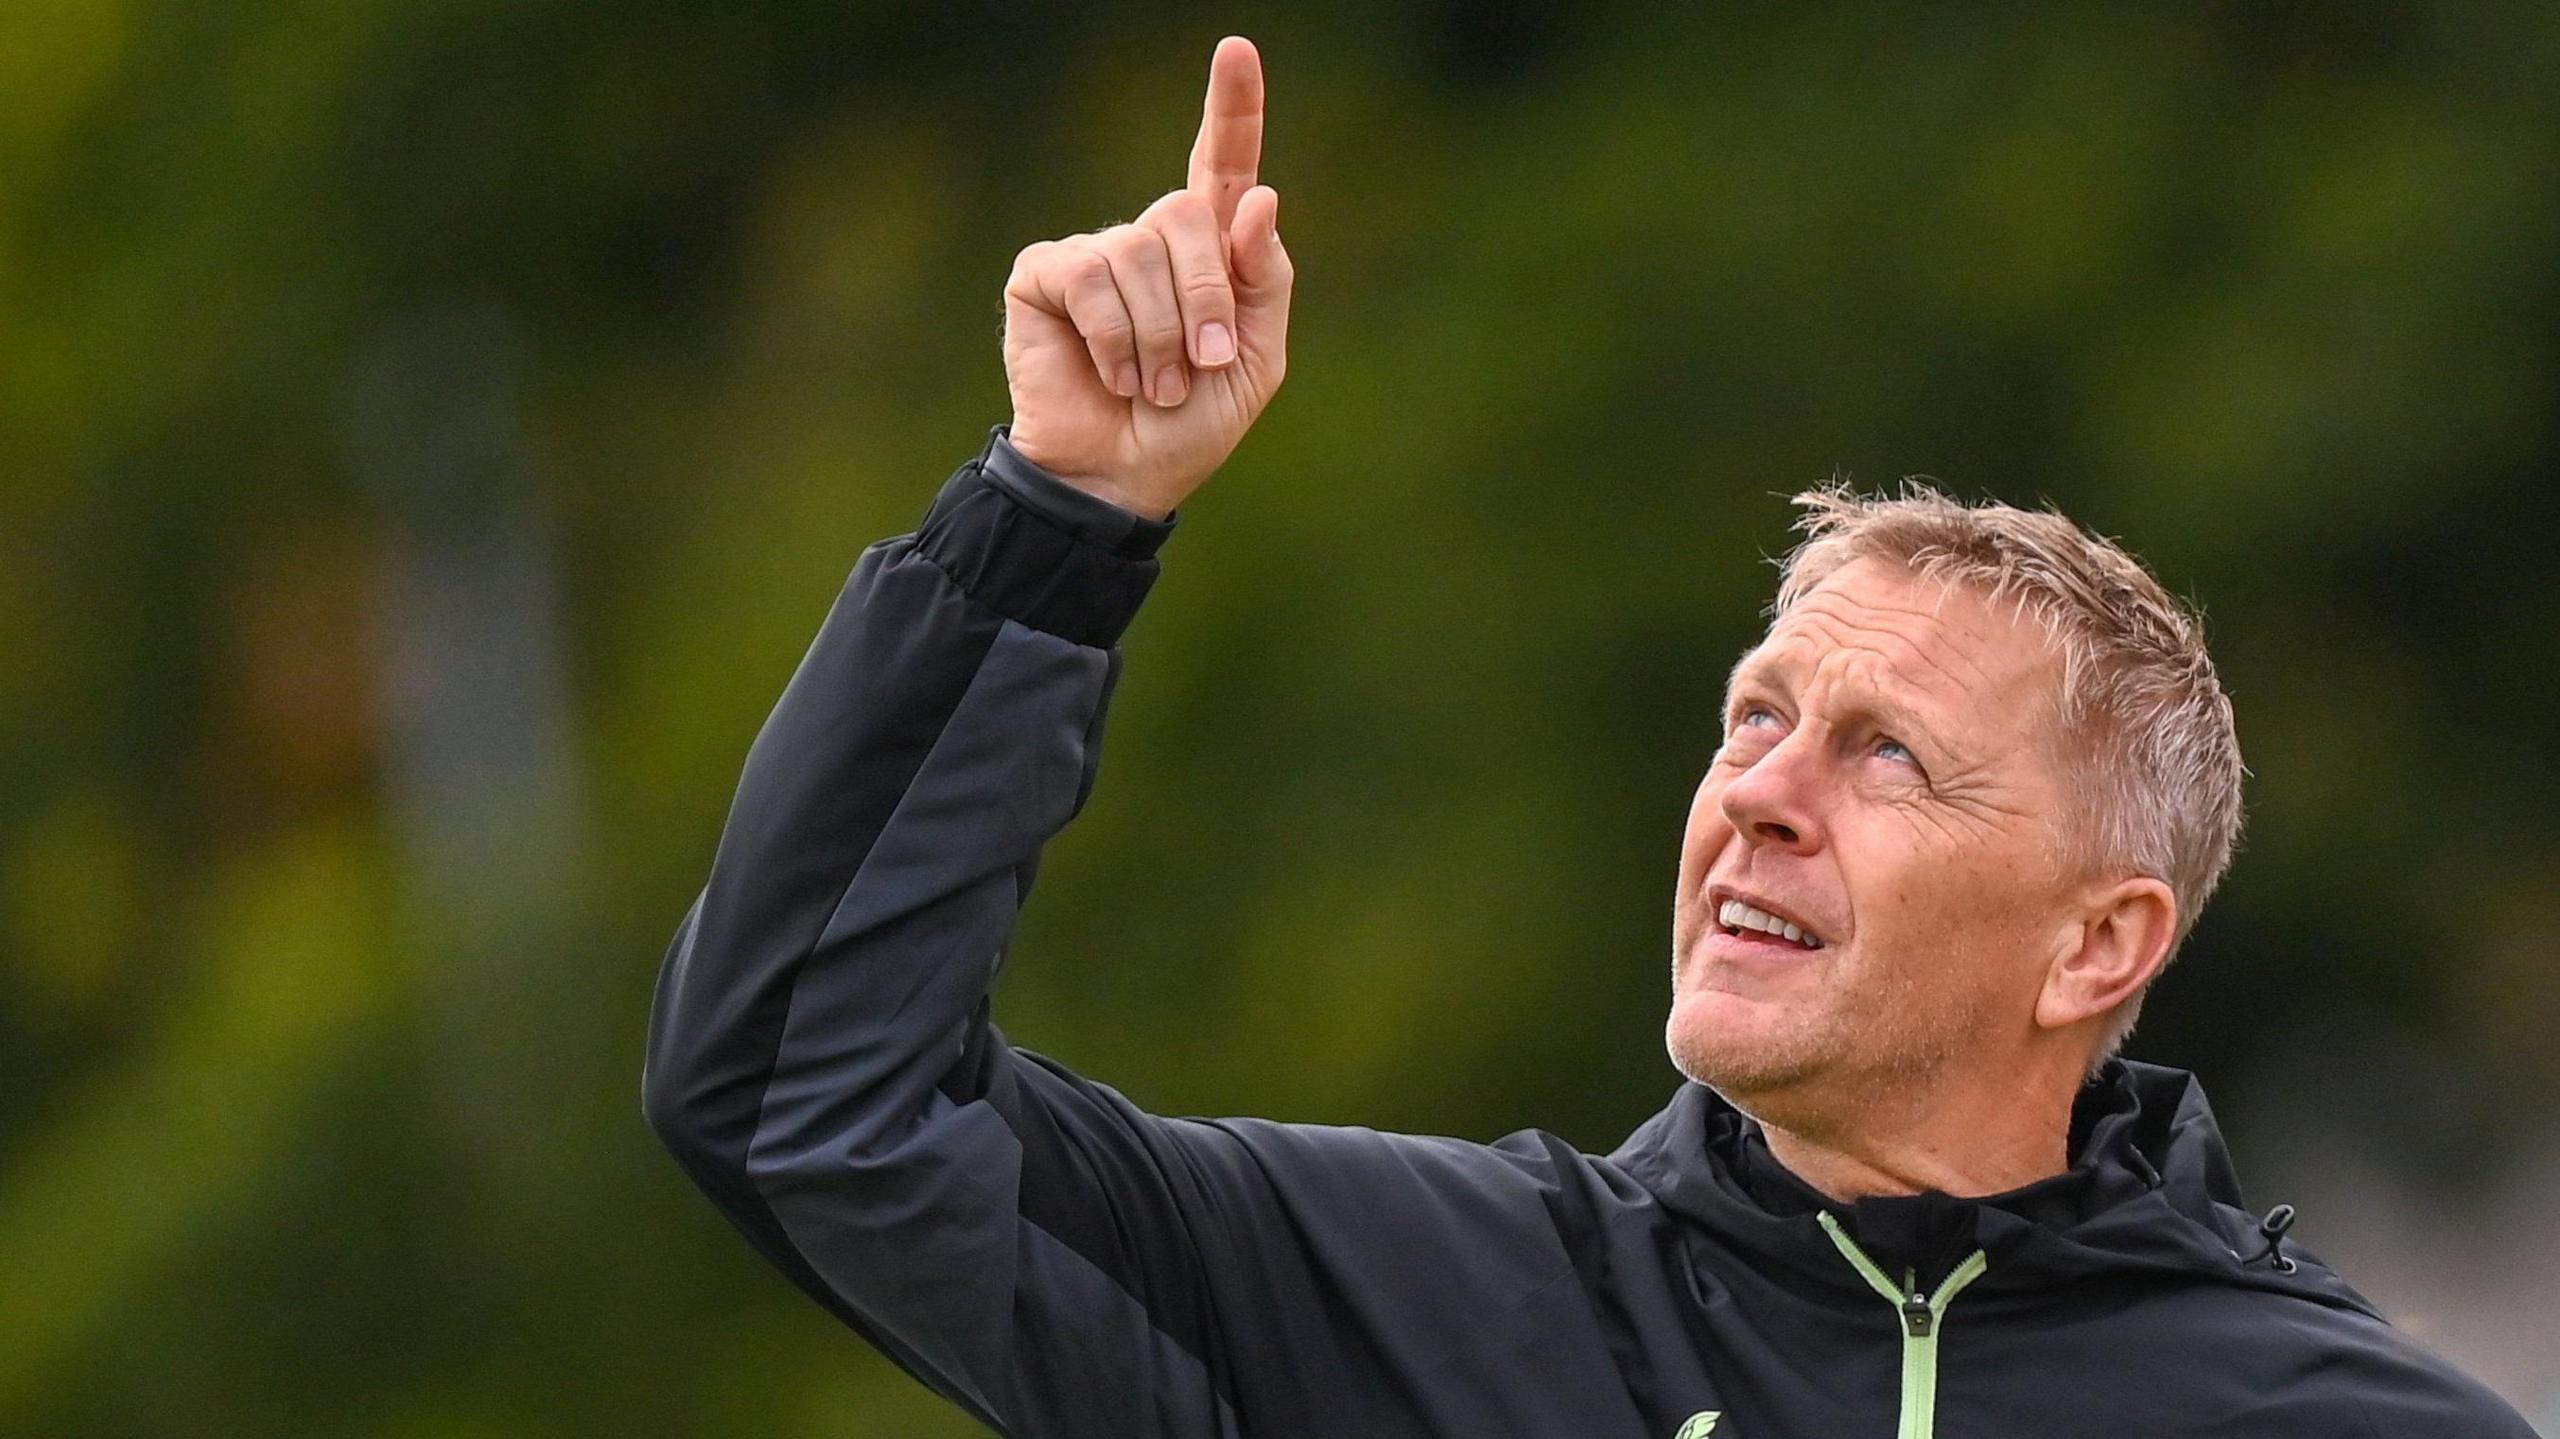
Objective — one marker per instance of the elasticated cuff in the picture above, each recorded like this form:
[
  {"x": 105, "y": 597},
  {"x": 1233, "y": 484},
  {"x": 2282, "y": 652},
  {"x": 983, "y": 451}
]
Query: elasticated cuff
[
  {"x": 1080, "y": 511},
  {"x": 1036, "y": 567}
]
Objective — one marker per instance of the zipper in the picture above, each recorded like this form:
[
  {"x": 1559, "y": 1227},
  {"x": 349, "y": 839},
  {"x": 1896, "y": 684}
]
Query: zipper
[{"x": 1922, "y": 1316}]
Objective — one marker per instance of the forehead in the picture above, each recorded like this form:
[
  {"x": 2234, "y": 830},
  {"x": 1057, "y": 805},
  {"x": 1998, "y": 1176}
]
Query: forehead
[{"x": 1943, "y": 650}]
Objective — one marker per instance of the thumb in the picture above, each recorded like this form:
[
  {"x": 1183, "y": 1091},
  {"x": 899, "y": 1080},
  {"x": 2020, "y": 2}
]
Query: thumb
[{"x": 1255, "y": 254}]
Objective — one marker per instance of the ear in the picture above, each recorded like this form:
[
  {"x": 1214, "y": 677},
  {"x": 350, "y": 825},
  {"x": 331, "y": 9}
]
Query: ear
[{"x": 2119, "y": 941}]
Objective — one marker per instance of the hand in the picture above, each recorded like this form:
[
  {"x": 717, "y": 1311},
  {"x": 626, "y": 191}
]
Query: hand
[{"x": 1139, "y": 355}]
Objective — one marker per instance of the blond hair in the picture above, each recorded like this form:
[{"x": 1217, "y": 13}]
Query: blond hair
[{"x": 2142, "y": 728}]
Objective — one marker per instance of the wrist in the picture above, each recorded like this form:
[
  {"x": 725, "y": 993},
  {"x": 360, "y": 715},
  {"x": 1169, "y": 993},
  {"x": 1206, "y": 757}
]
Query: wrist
[
  {"x": 1034, "y": 564},
  {"x": 1101, "y": 487},
  {"x": 1077, "y": 511}
]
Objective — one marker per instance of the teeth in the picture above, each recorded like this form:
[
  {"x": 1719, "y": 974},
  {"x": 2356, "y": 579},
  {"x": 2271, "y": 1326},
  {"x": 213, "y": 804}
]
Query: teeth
[{"x": 1737, "y": 915}]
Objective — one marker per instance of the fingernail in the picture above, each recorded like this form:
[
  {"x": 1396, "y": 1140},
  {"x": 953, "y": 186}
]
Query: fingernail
[
  {"x": 1124, "y": 381},
  {"x": 1169, "y": 385},
  {"x": 1216, "y": 345}
]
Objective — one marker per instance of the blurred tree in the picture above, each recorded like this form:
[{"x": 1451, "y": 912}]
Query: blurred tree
[{"x": 431, "y": 432}]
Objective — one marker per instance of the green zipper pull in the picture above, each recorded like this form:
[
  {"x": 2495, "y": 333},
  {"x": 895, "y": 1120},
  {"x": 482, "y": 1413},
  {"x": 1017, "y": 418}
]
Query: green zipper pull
[{"x": 1919, "y": 1314}]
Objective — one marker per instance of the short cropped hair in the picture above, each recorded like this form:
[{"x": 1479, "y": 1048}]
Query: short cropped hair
[{"x": 2142, "y": 728}]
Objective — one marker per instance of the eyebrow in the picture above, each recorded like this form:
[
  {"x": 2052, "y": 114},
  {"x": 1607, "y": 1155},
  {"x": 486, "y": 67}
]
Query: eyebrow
[{"x": 1755, "y": 668}]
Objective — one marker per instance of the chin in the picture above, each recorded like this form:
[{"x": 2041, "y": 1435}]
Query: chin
[{"x": 1738, "y": 1047}]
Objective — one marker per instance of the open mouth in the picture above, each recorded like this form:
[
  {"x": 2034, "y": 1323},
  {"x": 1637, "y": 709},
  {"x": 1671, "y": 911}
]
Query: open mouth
[{"x": 1756, "y": 925}]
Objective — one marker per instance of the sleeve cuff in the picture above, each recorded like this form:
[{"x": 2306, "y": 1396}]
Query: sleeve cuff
[
  {"x": 1015, "y": 539},
  {"x": 1079, "y": 512}
]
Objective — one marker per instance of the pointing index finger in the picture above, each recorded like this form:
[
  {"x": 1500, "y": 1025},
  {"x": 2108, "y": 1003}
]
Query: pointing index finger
[{"x": 1228, "y": 154}]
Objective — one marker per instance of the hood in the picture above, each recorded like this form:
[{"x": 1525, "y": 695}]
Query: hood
[{"x": 2150, "y": 1193}]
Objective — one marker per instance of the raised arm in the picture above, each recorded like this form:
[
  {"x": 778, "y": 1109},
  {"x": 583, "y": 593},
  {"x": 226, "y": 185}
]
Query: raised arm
[
  {"x": 819, "y": 1046},
  {"x": 1028, "y": 1242}
]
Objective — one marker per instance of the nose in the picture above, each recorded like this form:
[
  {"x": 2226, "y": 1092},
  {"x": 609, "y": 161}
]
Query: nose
[{"x": 1772, "y": 802}]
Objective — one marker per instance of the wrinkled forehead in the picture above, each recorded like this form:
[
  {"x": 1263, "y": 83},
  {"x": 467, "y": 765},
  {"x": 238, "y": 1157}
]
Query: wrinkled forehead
[{"x": 1882, "y": 636}]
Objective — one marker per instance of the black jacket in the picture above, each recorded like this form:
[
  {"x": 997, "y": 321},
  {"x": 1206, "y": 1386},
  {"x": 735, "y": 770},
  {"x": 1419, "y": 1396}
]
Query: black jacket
[{"x": 1057, "y": 1261}]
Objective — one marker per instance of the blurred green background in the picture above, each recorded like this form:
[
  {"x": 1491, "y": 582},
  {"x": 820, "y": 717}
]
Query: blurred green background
[{"x": 430, "y": 432}]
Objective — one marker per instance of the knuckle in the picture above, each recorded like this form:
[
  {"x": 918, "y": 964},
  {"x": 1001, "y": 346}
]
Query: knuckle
[
  {"x": 1049, "y": 257},
  {"x": 1083, "y": 269},
  {"x": 1138, "y": 248},
  {"x": 1028, "y": 262}
]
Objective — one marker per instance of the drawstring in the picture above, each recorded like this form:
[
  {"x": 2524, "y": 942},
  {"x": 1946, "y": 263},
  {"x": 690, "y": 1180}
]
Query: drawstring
[{"x": 2271, "y": 1229}]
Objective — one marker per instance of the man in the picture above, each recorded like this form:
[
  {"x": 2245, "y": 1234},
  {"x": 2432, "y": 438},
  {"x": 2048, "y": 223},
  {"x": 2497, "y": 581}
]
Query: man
[{"x": 1975, "y": 785}]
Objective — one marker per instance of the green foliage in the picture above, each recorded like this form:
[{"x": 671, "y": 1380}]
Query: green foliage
[{"x": 432, "y": 431}]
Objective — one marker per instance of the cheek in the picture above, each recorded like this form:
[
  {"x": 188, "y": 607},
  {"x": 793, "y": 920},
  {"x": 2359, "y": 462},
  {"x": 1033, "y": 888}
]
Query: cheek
[
  {"x": 1924, "y": 901},
  {"x": 1914, "y": 898},
  {"x": 1706, "y": 830},
  {"x": 1886, "y": 863}
]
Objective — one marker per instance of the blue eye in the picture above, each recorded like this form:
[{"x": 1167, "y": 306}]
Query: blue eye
[{"x": 1901, "y": 749}]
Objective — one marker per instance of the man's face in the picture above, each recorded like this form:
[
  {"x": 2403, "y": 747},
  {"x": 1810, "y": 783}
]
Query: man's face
[{"x": 1883, "y": 785}]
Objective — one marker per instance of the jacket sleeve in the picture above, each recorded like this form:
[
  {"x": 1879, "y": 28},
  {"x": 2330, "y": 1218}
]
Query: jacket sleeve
[{"x": 1027, "y": 1242}]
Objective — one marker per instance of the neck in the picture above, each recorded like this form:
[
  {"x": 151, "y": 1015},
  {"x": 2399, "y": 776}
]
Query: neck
[{"x": 1963, "y": 1135}]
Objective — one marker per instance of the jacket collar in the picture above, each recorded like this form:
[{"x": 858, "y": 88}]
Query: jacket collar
[{"x": 2150, "y": 1187}]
